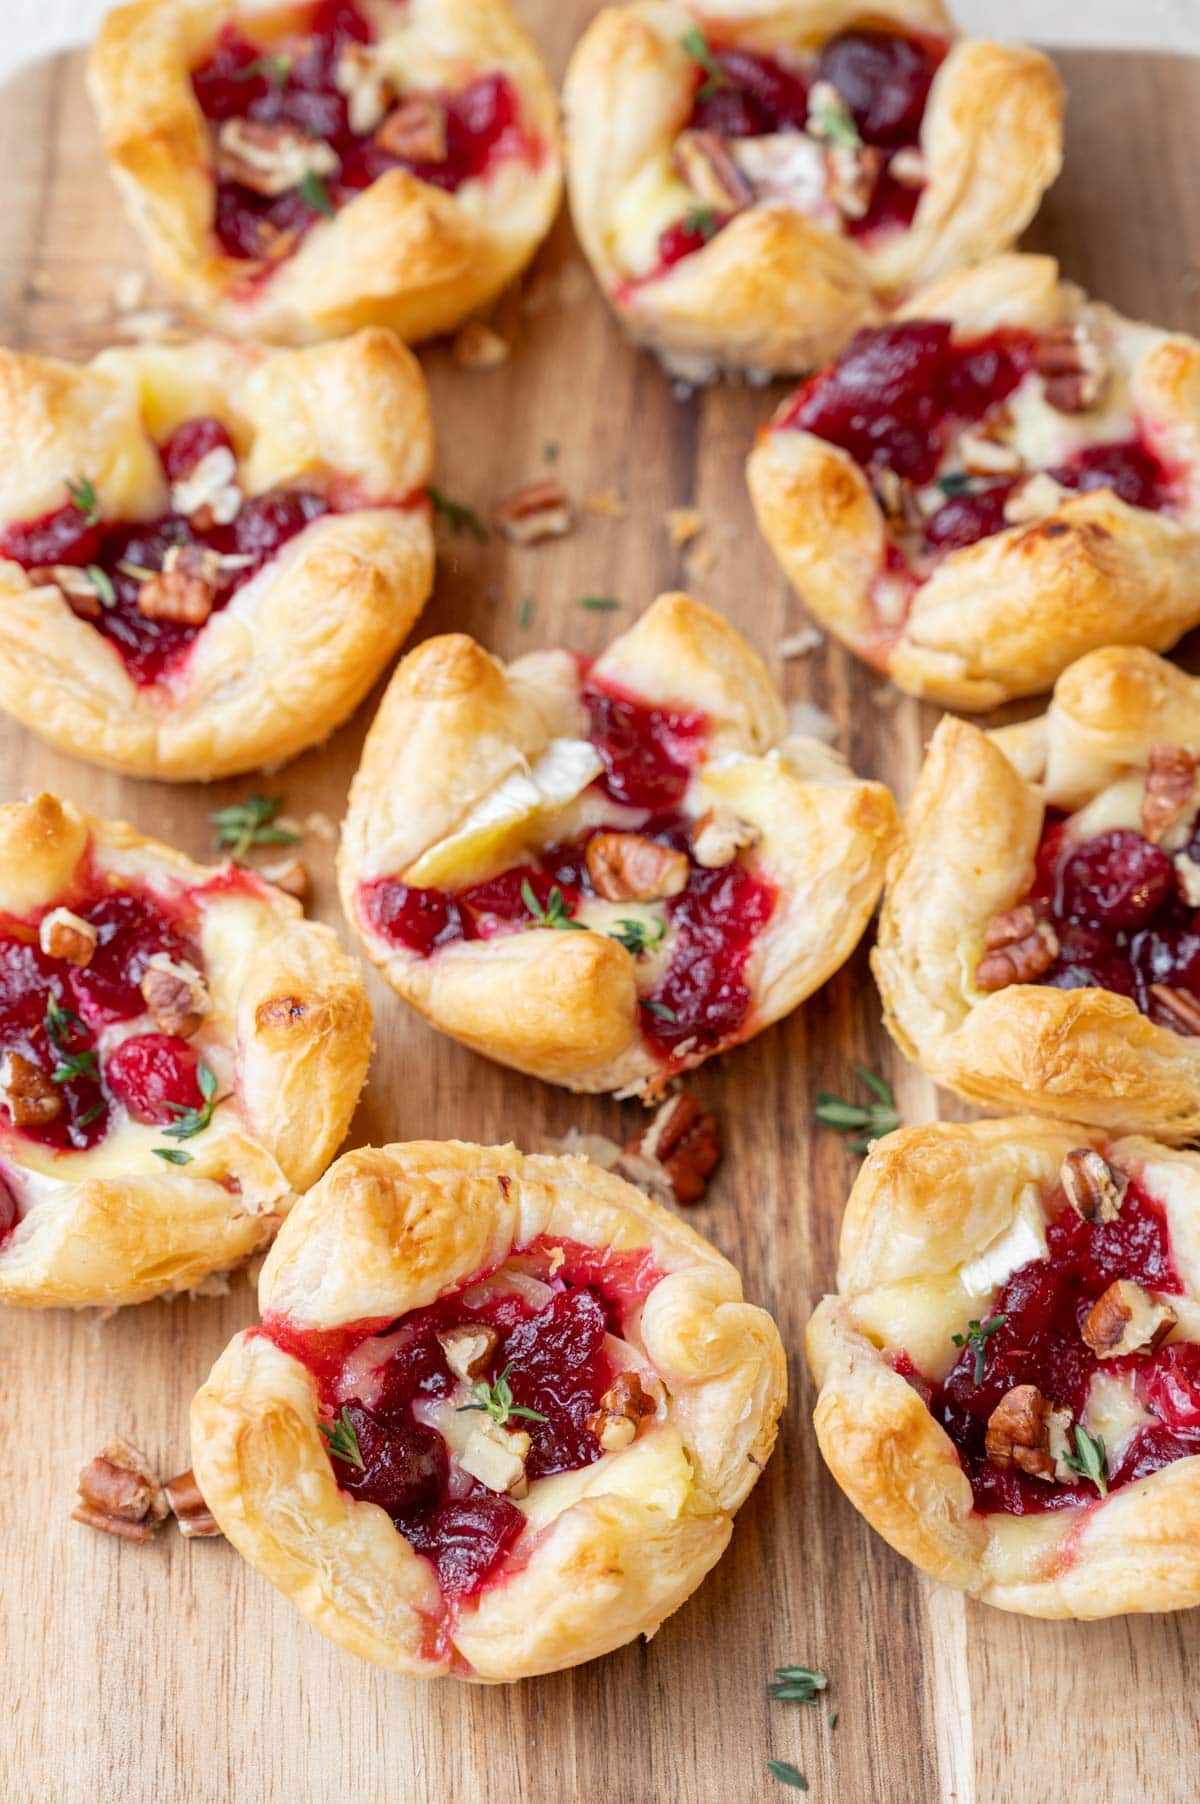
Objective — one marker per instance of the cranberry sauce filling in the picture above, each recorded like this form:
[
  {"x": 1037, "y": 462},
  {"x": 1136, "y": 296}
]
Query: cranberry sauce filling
[
  {"x": 296, "y": 84},
  {"x": 702, "y": 998},
  {"x": 897, "y": 394},
  {"x": 53, "y": 1012},
  {"x": 883, "y": 80},
  {"x": 557, "y": 1366},
  {"x": 1039, "y": 1342},
  {"x": 118, "y": 560},
  {"x": 1119, "y": 916}
]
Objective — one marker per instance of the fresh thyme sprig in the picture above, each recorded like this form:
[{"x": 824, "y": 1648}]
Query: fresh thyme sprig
[
  {"x": 787, "y": 1774},
  {"x": 554, "y": 914},
  {"x": 341, "y": 1440},
  {"x": 662, "y": 1009},
  {"x": 835, "y": 125},
  {"x": 62, "y": 1027},
  {"x": 190, "y": 1122},
  {"x": 496, "y": 1401},
  {"x": 599, "y": 604},
  {"x": 525, "y": 612},
  {"x": 315, "y": 194},
  {"x": 253, "y": 822},
  {"x": 977, "y": 1336},
  {"x": 703, "y": 221},
  {"x": 458, "y": 516},
  {"x": 102, "y": 583},
  {"x": 275, "y": 69},
  {"x": 82, "y": 491},
  {"x": 636, "y": 937},
  {"x": 866, "y": 1123},
  {"x": 1090, "y": 1459},
  {"x": 696, "y": 45},
  {"x": 171, "y": 1155},
  {"x": 797, "y": 1684}
]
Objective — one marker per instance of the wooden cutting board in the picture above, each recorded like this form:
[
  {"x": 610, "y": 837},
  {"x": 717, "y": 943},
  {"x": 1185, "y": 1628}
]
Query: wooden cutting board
[{"x": 174, "y": 1673}]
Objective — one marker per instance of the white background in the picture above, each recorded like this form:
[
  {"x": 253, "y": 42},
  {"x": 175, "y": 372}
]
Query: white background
[{"x": 32, "y": 27}]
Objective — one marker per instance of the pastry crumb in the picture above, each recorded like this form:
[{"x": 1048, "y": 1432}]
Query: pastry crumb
[
  {"x": 798, "y": 645},
  {"x": 479, "y": 347},
  {"x": 684, "y": 524}
]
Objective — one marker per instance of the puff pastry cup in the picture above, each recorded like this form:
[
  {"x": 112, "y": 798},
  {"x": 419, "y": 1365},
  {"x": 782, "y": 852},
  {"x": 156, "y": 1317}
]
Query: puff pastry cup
[
  {"x": 180, "y": 1051},
  {"x": 557, "y": 1394},
  {"x": 722, "y": 869},
  {"x": 1010, "y": 1372},
  {"x": 1038, "y": 937},
  {"x": 208, "y": 552},
  {"x": 996, "y": 481},
  {"x": 300, "y": 171},
  {"x": 751, "y": 182}
]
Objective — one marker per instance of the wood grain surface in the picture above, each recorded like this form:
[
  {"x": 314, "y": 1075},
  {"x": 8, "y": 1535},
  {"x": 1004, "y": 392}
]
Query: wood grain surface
[{"x": 173, "y": 1672}]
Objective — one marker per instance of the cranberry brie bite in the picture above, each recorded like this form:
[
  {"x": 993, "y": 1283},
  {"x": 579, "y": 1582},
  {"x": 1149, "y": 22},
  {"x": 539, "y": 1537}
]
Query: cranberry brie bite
[
  {"x": 208, "y": 552},
  {"x": 298, "y": 171},
  {"x": 1010, "y": 1372},
  {"x": 180, "y": 1051},
  {"x": 604, "y": 872},
  {"x": 751, "y": 183},
  {"x": 499, "y": 1416},
  {"x": 1039, "y": 943},
  {"x": 998, "y": 480}
]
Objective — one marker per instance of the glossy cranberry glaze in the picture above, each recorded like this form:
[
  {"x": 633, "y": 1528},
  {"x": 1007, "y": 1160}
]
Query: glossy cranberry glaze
[
  {"x": 1044, "y": 1304},
  {"x": 294, "y": 83},
  {"x": 559, "y": 1368},
  {"x": 151, "y": 648},
  {"x": 1121, "y": 921},
  {"x": 648, "y": 756},
  {"x": 142, "y": 1072}
]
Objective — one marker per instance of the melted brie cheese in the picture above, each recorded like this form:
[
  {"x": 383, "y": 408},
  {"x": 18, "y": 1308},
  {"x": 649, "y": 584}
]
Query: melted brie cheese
[
  {"x": 643, "y": 209},
  {"x": 921, "y": 1317},
  {"x": 1024, "y": 1239}
]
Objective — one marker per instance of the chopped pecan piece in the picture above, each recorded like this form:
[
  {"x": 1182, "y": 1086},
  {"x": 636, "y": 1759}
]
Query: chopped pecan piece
[
  {"x": 33, "y": 1099},
  {"x": 120, "y": 1495},
  {"x": 676, "y": 1153},
  {"x": 852, "y": 172},
  {"x": 628, "y": 867},
  {"x": 478, "y": 347},
  {"x": 270, "y": 159},
  {"x": 1018, "y": 1432},
  {"x": 182, "y": 592},
  {"x": 1126, "y": 1319},
  {"x": 209, "y": 495},
  {"x": 623, "y": 1407},
  {"x": 720, "y": 835},
  {"x": 74, "y": 581},
  {"x": 1072, "y": 367},
  {"x": 369, "y": 92},
  {"x": 1181, "y": 1009},
  {"x": 63, "y": 934},
  {"x": 897, "y": 497},
  {"x": 415, "y": 131},
  {"x": 1091, "y": 1185},
  {"x": 1019, "y": 946},
  {"x": 468, "y": 1349},
  {"x": 175, "y": 994},
  {"x": 1170, "y": 797},
  {"x": 496, "y": 1457},
  {"x": 537, "y": 511},
  {"x": 702, "y": 160},
  {"x": 188, "y": 1506},
  {"x": 291, "y": 875}
]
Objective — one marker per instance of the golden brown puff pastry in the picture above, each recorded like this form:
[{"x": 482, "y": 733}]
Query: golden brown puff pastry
[
  {"x": 1006, "y": 499},
  {"x": 752, "y": 182},
  {"x": 500, "y": 1414},
  {"x": 298, "y": 172},
  {"x": 1010, "y": 1372},
  {"x": 180, "y": 1051},
  {"x": 1037, "y": 939},
  {"x": 208, "y": 552},
  {"x": 722, "y": 869}
]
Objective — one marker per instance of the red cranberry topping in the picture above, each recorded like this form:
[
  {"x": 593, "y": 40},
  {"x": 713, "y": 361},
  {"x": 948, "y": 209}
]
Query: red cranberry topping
[
  {"x": 421, "y": 919},
  {"x": 1148, "y": 1451},
  {"x": 1132, "y": 472},
  {"x": 35, "y": 996},
  {"x": 190, "y": 443},
  {"x": 405, "y": 1464},
  {"x": 131, "y": 927},
  {"x": 691, "y": 233},
  {"x": 63, "y": 537},
  {"x": 466, "y": 1541},
  {"x": 703, "y": 996},
  {"x": 964, "y": 519},
  {"x": 154, "y": 1075},
  {"x": 10, "y": 1212},
  {"x": 1116, "y": 880},
  {"x": 561, "y": 1370},
  {"x": 884, "y": 80},
  {"x": 1169, "y": 1386},
  {"x": 754, "y": 95},
  {"x": 648, "y": 753},
  {"x": 1044, "y": 1304}
]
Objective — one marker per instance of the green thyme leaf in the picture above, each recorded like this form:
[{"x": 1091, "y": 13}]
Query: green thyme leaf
[
  {"x": 458, "y": 517},
  {"x": 977, "y": 1337},
  {"x": 496, "y": 1401},
  {"x": 63, "y": 1028},
  {"x": 62, "y": 1024},
  {"x": 172, "y": 1155},
  {"x": 703, "y": 221},
  {"x": 341, "y": 1440},
  {"x": 636, "y": 937},
  {"x": 85, "y": 498},
  {"x": 90, "y": 1115},
  {"x": 797, "y": 1684},
  {"x": 661, "y": 1009},
  {"x": 555, "y": 913},
  {"x": 190, "y": 1122},
  {"x": 253, "y": 822},
  {"x": 831, "y": 1719},
  {"x": 867, "y": 1122},
  {"x": 1089, "y": 1459},
  {"x": 314, "y": 193},
  {"x": 275, "y": 69},
  {"x": 599, "y": 604},
  {"x": 72, "y": 1065},
  {"x": 696, "y": 45},
  {"x": 525, "y": 612},
  {"x": 834, "y": 123},
  {"x": 550, "y": 451},
  {"x": 957, "y": 482},
  {"x": 787, "y": 1774},
  {"x": 102, "y": 583}
]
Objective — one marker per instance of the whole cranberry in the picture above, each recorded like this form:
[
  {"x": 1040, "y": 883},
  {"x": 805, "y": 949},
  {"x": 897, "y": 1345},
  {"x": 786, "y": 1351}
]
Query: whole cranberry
[
  {"x": 1087, "y": 959},
  {"x": 965, "y": 519},
  {"x": 405, "y": 1464},
  {"x": 883, "y": 79},
  {"x": 1168, "y": 955},
  {"x": 154, "y": 1075},
  {"x": 1117, "y": 881},
  {"x": 1170, "y": 1385}
]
